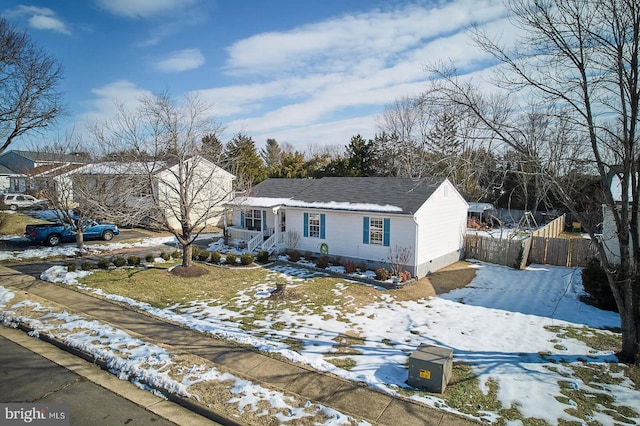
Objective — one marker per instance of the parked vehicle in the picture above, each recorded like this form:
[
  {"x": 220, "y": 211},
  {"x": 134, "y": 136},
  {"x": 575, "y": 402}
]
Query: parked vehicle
[
  {"x": 53, "y": 234},
  {"x": 23, "y": 201}
]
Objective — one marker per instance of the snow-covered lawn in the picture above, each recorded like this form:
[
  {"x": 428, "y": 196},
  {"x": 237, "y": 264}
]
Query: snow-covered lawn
[
  {"x": 71, "y": 250},
  {"x": 533, "y": 346}
]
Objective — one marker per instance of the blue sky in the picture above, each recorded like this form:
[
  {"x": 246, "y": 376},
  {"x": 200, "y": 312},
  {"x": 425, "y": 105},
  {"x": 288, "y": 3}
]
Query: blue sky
[{"x": 303, "y": 72}]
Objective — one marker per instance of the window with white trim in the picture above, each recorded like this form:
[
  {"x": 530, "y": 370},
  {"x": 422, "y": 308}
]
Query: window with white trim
[
  {"x": 253, "y": 220},
  {"x": 376, "y": 230},
  {"x": 314, "y": 225}
]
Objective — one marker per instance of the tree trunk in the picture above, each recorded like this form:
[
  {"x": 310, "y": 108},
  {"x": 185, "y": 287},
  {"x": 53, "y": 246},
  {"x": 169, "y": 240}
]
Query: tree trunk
[
  {"x": 186, "y": 255},
  {"x": 630, "y": 323},
  {"x": 79, "y": 240}
]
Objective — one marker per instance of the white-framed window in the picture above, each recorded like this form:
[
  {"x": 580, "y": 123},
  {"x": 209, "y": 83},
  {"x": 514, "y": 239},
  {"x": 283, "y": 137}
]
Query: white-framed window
[
  {"x": 253, "y": 220},
  {"x": 376, "y": 230},
  {"x": 314, "y": 225}
]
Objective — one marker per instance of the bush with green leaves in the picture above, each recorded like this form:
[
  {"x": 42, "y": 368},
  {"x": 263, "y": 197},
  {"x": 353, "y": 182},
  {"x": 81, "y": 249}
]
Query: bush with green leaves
[
  {"x": 294, "y": 255},
  {"x": 149, "y": 258},
  {"x": 381, "y": 274},
  {"x": 103, "y": 264},
  {"x": 203, "y": 255},
  {"x": 87, "y": 266},
  {"x": 133, "y": 261},
  {"x": 119, "y": 262},
  {"x": 176, "y": 254},
  {"x": 246, "y": 259},
  {"x": 322, "y": 262},
  {"x": 232, "y": 258},
  {"x": 215, "y": 257},
  {"x": 165, "y": 256},
  {"x": 71, "y": 267},
  {"x": 595, "y": 282},
  {"x": 263, "y": 256}
]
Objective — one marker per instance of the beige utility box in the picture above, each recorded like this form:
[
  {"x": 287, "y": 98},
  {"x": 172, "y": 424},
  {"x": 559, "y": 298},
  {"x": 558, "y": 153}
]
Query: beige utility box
[{"x": 430, "y": 368}]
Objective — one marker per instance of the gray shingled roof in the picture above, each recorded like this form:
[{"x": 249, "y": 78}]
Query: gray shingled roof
[{"x": 406, "y": 193}]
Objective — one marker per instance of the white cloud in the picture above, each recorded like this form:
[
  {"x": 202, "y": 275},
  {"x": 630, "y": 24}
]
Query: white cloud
[
  {"x": 40, "y": 18},
  {"x": 105, "y": 105},
  {"x": 142, "y": 8},
  {"x": 317, "y": 72},
  {"x": 181, "y": 60}
]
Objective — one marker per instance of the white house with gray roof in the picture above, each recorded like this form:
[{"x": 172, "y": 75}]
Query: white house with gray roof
[{"x": 355, "y": 218}]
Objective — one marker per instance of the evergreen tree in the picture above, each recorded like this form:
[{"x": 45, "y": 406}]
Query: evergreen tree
[
  {"x": 272, "y": 155},
  {"x": 359, "y": 157},
  {"x": 212, "y": 148},
  {"x": 244, "y": 161},
  {"x": 292, "y": 165}
]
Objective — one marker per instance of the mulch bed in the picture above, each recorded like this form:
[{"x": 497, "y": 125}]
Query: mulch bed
[{"x": 190, "y": 271}]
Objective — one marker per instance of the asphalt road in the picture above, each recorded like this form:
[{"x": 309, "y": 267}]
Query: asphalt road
[{"x": 27, "y": 377}]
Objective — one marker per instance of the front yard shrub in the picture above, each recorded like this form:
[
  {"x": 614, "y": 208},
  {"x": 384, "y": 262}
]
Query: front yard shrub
[
  {"x": 322, "y": 262},
  {"x": 405, "y": 276},
  {"x": 595, "y": 283},
  {"x": 71, "y": 267},
  {"x": 119, "y": 262},
  {"x": 337, "y": 261},
  {"x": 87, "y": 266},
  {"x": 381, "y": 274},
  {"x": 103, "y": 264},
  {"x": 246, "y": 259},
  {"x": 307, "y": 256},
  {"x": 363, "y": 267},
  {"x": 215, "y": 257},
  {"x": 149, "y": 258},
  {"x": 165, "y": 256},
  {"x": 203, "y": 255},
  {"x": 350, "y": 267},
  {"x": 294, "y": 255},
  {"x": 232, "y": 258},
  {"x": 133, "y": 260},
  {"x": 176, "y": 254},
  {"x": 263, "y": 256}
]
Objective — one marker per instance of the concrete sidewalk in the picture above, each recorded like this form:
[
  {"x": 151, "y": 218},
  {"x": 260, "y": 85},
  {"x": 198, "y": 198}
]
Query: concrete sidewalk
[{"x": 347, "y": 397}]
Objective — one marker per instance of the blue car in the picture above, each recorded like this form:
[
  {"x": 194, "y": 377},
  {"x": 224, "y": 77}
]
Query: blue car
[{"x": 53, "y": 234}]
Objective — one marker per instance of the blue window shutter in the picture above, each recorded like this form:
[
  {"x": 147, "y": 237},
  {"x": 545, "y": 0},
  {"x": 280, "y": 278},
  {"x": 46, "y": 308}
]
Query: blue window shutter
[
  {"x": 264, "y": 220},
  {"x": 322, "y": 222},
  {"x": 365, "y": 230},
  {"x": 242, "y": 218},
  {"x": 306, "y": 224},
  {"x": 386, "y": 232}
]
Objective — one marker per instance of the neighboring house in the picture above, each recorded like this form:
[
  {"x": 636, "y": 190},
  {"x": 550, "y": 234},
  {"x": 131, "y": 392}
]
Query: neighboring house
[
  {"x": 211, "y": 187},
  {"x": 25, "y": 164},
  {"x": 6, "y": 174},
  {"x": 609, "y": 229},
  {"x": 357, "y": 218}
]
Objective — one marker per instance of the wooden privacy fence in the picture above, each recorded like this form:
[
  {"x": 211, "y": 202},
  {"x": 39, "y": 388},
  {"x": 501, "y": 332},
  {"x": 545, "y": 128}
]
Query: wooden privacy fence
[
  {"x": 494, "y": 250},
  {"x": 542, "y": 247},
  {"x": 571, "y": 252}
]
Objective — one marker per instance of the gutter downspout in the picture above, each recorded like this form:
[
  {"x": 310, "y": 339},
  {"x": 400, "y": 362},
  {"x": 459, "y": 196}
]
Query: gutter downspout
[{"x": 415, "y": 250}]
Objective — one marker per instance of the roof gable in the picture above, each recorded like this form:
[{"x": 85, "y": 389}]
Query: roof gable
[{"x": 389, "y": 194}]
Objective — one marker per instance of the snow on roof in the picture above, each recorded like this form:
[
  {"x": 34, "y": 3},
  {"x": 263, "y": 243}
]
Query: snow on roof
[
  {"x": 329, "y": 205},
  {"x": 480, "y": 207}
]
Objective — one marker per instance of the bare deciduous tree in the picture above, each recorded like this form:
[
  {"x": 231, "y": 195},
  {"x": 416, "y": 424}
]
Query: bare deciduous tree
[
  {"x": 29, "y": 78},
  {"x": 578, "y": 58},
  {"x": 163, "y": 174}
]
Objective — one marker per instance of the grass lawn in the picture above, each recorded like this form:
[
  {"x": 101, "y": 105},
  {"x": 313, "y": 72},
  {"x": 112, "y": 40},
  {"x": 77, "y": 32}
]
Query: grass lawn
[
  {"x": 14, "y": 223},
  {"x": 241, "y": 298}
]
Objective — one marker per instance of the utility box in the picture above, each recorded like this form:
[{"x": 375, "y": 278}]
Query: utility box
[{"x": 430, "y": 368}]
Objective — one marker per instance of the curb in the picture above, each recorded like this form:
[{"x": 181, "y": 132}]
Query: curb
[{"x": 184, "y": 402}]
